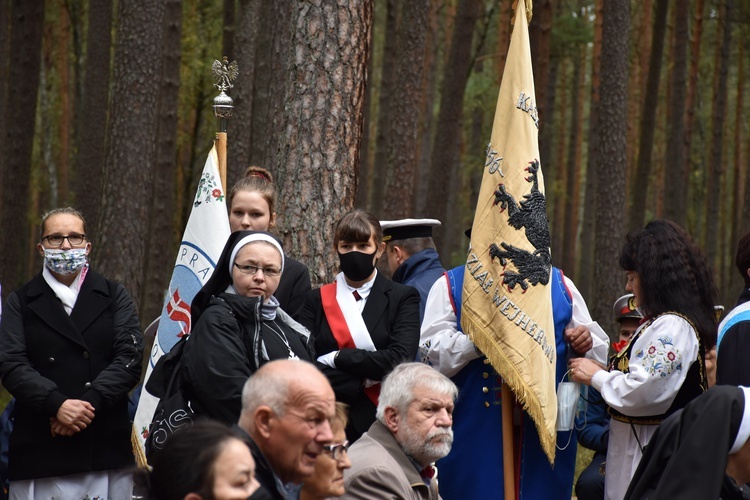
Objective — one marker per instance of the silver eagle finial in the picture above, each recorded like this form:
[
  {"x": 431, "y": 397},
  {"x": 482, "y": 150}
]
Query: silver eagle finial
[{"x": 224, "y": 73}]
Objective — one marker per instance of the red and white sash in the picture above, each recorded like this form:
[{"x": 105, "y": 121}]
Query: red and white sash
[{"x": 346, "y": 323}]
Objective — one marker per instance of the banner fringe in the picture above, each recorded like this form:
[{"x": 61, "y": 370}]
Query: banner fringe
[{"x": 510, "y": 375}]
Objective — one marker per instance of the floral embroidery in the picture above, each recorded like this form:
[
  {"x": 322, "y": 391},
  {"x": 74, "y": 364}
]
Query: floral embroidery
[
  {"x": 208, "y": 189},
  {"x": 660, "y": 358}
]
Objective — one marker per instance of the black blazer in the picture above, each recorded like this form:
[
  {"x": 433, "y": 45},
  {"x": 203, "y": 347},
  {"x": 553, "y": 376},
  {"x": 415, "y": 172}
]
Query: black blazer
[
  {"x": 46, "y": 357},
  {"x": 391, "y": 315}
]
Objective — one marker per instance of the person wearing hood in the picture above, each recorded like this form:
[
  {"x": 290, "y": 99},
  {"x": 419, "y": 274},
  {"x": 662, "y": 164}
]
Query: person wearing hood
[
  {"x": 238, "y": 326},
  {"x": 362, "y": 324}
]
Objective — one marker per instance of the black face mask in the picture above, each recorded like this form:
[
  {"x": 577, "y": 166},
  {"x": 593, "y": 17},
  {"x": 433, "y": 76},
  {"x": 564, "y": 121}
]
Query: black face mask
[{"x": 357, "y": 266}]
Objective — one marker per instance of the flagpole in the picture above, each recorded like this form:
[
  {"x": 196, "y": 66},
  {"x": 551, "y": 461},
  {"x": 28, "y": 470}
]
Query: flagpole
[
  {"x": 509, "y": 475},
  {"x": 224, "y": 73}
]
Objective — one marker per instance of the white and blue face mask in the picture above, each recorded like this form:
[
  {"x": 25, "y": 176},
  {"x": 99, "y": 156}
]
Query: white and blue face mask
[{"x": 64, "y": 262}]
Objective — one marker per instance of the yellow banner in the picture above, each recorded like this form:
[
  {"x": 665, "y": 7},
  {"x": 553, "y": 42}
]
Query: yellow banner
[{"x": 507, "y": 305}]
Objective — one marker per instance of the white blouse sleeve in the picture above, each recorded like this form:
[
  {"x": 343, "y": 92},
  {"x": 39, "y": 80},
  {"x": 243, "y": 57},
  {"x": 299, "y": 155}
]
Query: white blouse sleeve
[
  {"x": 441, "y": 344},
  {"x": 658, "y": 365},
  {"x": 582, "y": 317}
]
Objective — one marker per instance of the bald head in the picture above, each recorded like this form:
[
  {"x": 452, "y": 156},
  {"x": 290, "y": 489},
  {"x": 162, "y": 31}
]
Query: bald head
[{"x": 287, "y": 407}]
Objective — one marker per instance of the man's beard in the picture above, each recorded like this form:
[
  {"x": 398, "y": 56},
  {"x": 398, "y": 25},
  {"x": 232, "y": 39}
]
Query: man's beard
[{"x": 426, "y": 451}]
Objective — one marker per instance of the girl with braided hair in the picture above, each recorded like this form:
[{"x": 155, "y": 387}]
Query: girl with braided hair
[{"x": 663, "y": 366}]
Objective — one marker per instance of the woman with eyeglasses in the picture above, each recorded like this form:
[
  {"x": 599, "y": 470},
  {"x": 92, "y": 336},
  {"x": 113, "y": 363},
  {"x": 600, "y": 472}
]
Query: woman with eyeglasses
[
  {"x": 251, "y": 203},
  {"x": 70, "y": 351},
  {"x": 237, "y": 326},
  {"x": 328, "y": 479}
]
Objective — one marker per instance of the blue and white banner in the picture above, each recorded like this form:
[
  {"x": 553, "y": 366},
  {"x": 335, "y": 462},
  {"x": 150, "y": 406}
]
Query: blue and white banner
[{"x": 206, "y": 233}]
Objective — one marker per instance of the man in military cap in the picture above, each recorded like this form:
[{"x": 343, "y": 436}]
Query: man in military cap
[
  {"x": 594, "y": 423},
  {"x": 411, "y": 253}
]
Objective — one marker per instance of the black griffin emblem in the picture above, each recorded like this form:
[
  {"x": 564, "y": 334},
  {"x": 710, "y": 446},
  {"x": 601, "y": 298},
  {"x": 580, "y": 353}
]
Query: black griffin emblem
[{"x": 530, "y": 214}]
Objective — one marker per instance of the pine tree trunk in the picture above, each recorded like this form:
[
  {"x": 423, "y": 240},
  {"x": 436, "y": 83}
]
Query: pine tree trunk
[
  {"x": 556, "y": 172},
  {"x": 162, "y": 235},
  {"x": 318, "y": 155},
  {"x": 427, "y": 120},
  {"x": 271, "y": 65},
  {"x": 386, "y": 112},
  {"x": 612, "y": 159},
  {"x": 27, "y": 21},
  {"x": 91, "y": 127},
  {"x": 676, "y": 194},
  {"x": 447, "y": 143},
  {"x": 238, "y": 132},
  {"x": 131, "y": 150},
  {"x": 228, "y": 29},
  {"x": 692, "y": 90},
  {"x": 586, "y": 259},
  {"x": 573, "y": 188},
  {"x": 715, "y": 174},
  {"x": 650, "y": 100},
  {"x": 407, "y": 102}
]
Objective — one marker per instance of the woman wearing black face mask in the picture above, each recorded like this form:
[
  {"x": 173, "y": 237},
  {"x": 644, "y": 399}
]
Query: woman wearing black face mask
[{"x": 362, "y": 324}]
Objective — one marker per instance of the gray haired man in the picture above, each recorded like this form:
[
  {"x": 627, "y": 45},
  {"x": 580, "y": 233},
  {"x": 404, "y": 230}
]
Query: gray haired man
[{"x": 395, "y": 457}]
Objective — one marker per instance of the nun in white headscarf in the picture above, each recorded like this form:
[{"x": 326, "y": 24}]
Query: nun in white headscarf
[
  {"x": 237, "y": 326},
  {"x": 701, "y": 452}
]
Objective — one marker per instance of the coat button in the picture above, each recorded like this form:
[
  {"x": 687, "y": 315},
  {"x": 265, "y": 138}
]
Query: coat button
[
  {"x": 486, "y": 361},
  {"x": 485, "y": 375},
  {"x": 87, "y": 385},
  {"x": 486, "y": 404},
  {"x": 86, "y": 355},
  {"x": 51, "y": 361},
  {"x": 485, "y": 390}
]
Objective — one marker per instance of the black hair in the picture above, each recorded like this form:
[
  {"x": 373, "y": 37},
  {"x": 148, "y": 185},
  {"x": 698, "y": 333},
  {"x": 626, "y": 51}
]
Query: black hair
[
  {"x": 674, "y": 275},
  {"x": 357, "y": 226},
  {"x": 742, "y": 259},
  {"x": 186, "y": 463}
]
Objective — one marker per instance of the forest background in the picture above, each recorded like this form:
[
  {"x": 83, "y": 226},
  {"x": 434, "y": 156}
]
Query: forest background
[{"x": 381, "y": 104}]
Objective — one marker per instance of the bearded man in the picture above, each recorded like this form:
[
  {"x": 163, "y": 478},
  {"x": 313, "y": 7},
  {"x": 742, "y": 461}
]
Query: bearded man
[{"x": 395, "y": 457}]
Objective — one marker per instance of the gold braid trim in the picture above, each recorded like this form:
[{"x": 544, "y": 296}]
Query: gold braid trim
[
  {"x": 138, "y": 452},
  {"x": 510, "y": 375}
]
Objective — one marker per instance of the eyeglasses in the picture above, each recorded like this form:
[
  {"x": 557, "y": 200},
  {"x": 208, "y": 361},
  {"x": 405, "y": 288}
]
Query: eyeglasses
[
  {"x": 56, "y": 240},
  {"x": 251, "y": 270},
  {"x": 337, "y": 450}
]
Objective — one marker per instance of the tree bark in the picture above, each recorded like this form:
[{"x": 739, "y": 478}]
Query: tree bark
[
  {"x": 161, "y": 230},
  {"x": 319, "y": 150},
  {"x": 131, "y": 150},
  {"x": 676, "y": 194},
  {"x": 91, "y": 126},
  {"x": 228, "y": 28},
  {"x": 612, "y": 159},
  {"x": 386, "y": 112},
  {"x": 238, "y": 132},
  {"x": 271, "y": 63},
  {"x": 447, "y": 143},
  {"x": 650, "y": 101},
  {"x": 692, "y": 90},
  {"x": 586, "y": 260},
  {"x": 403, "y": 126},
  {"x": 715, "y": 174},
  {"x": 427, "y": 121},
  {"x": 27, "y": 21},
  {"x": 573, "y": 188}
]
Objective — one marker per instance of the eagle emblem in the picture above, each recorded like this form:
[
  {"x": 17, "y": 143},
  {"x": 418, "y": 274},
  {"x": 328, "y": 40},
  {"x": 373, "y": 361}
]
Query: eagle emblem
[
  {"x": 224, "y": 73},
  {"x": 530, "y": 214}
]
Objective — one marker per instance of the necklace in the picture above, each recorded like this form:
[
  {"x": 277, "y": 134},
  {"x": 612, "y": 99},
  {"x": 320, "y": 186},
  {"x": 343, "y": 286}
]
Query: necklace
[{"x": 279, "y": 333}]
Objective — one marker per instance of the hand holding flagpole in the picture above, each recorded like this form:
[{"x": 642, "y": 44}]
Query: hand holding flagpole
[{"x": 224, "y": 73}]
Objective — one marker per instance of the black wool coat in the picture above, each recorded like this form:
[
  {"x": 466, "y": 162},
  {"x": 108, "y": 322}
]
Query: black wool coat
[{"x": 46, "y": 357}]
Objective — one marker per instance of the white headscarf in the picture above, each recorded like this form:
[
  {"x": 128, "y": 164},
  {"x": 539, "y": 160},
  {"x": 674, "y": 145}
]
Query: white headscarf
[{"x": 250, "y": 239}]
